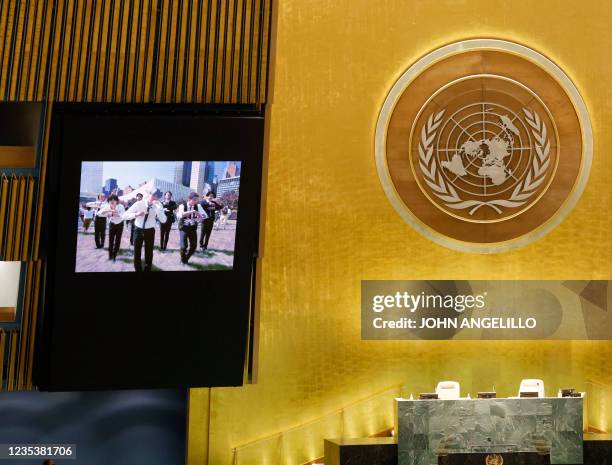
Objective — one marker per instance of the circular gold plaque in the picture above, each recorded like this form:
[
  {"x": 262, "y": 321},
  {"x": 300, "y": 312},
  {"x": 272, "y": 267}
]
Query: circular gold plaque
[
  {"x": 494, "y": 459},
  {"x": 484, "y": 145}
]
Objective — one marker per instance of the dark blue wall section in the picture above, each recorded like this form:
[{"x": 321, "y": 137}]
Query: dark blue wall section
[{"x": 108, "y": 427}]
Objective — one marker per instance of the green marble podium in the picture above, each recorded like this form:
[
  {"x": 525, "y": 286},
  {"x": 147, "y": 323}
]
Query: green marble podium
[{"x": 429, "y": 428}]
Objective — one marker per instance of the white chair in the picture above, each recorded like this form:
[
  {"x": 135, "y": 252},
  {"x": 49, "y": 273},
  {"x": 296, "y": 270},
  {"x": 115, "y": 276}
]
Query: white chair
[
  {"x": 448, "y": 390},
  {"x": 532, "y": 385}
]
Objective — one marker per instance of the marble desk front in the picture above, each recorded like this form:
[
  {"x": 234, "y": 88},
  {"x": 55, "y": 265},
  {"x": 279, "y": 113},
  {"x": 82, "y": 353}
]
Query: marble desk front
[{"x": 428, "y": 428}]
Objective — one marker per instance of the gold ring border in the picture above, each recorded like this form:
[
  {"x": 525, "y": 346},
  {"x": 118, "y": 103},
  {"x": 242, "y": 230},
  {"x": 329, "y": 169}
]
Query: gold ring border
[
  {"x": 502, "y": 78},
  {"x": 455, "y": 48}
]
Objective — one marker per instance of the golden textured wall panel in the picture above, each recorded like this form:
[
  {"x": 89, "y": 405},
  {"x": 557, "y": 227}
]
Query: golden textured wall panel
[{"x": 329, "y": 224}]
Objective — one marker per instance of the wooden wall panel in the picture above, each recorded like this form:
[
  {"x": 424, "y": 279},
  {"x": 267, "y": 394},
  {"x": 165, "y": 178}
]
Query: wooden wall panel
[
  {"x": 171, "y": 51},
  {"x": 17, "y": 209},
  {"x": 132, "y": 51}
]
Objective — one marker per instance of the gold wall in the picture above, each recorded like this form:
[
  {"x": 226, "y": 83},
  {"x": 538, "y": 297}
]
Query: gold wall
[{"x": 329, "y": 224}]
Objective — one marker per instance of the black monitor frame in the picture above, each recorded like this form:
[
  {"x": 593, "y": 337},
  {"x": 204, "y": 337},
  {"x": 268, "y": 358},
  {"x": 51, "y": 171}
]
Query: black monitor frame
[{"x": 150, "y": 338}]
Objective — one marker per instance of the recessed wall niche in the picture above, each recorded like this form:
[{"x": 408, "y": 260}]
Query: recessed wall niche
[{"x": 19, "y": 134}]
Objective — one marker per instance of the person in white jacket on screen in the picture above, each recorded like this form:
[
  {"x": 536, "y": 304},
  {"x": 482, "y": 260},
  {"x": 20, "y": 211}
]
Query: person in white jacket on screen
[
  {"x": 144, "y": 213},
  {"x": 114, "y": 211}
]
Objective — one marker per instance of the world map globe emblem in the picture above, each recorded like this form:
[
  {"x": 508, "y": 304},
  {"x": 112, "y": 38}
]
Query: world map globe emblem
[
  {"x": 484, "y": 160},
  {"x": 489, "y": 152},
  {"x": 483, "y": 145}
]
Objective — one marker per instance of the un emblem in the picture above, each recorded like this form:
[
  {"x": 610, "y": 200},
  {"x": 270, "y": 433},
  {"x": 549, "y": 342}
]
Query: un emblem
[
  {"x": 485, "y": 160},
  {"x": 483, "y": 146},
  {"x": 494, "y": 459}
]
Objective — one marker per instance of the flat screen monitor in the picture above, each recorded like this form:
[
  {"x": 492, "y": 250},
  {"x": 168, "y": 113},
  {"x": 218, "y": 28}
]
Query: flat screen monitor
[
  {"x": 157, "y": 215},
  {"x": 151, "y": 236}
]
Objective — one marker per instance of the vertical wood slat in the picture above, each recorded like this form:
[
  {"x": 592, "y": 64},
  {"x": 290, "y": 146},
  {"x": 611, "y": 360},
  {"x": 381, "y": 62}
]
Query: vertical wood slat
[
  {"x": 58, "y": 43},
  {"x": 34, "y": 311},
  {"x": 4, "y": 18},
  {"x": 128, "y": 59},
  {"x": 24, "y": 26},
  {"x": 37, "y": 212},
  {"x": 191, "y": 56},
  {"x": 180, "y": 51},
  {"x": 19, "y": 216},
  {"x": 14, "y": 47},
  {"x": 121, "y": 52},
  {"x": 72, "y": 84},
  {"x": 25, "y": 325},
  {"x": 26, "y": 231},
  {"x": 11, "y": 217},
  {"x": 2, "y": 356},
  {"x": 245, "y": 47},
  {"x": 74, "y": 47},
  {"x": 205, "y": 46},
  {"x": 42, "y": 55},
  {"x": 264, "y": 50},
  {"x": 182, "y": 84},
  {"x": 101, "y": 77},
  {"x": 5, "y": 45},
  {"x": 28, "y": 326},
  {"x": 11, "y": 362},
  {"x": 161, "y": 54},
  {"x": 232, "y": 50},
  {"x": 209, "y": 38},
  {"x": 4, "y": 196},
  {"x": 89, "y": 72},
  {"x": 254, "y": 44},
  {"x": 153, "y": 25},
  {"x": 68, "y": 36},
  {"x": 84, "y": 54},
  {"x": 31, "y": 45}
]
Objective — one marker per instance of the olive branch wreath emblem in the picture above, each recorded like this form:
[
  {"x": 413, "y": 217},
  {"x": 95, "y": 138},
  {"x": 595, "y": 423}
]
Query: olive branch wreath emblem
[
  {"x": 445, "y": 191},
  {"x": 494, "y": 459}
]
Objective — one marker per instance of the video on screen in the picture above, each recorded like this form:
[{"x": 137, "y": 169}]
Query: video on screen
[{"x": 157, "y": 216}]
